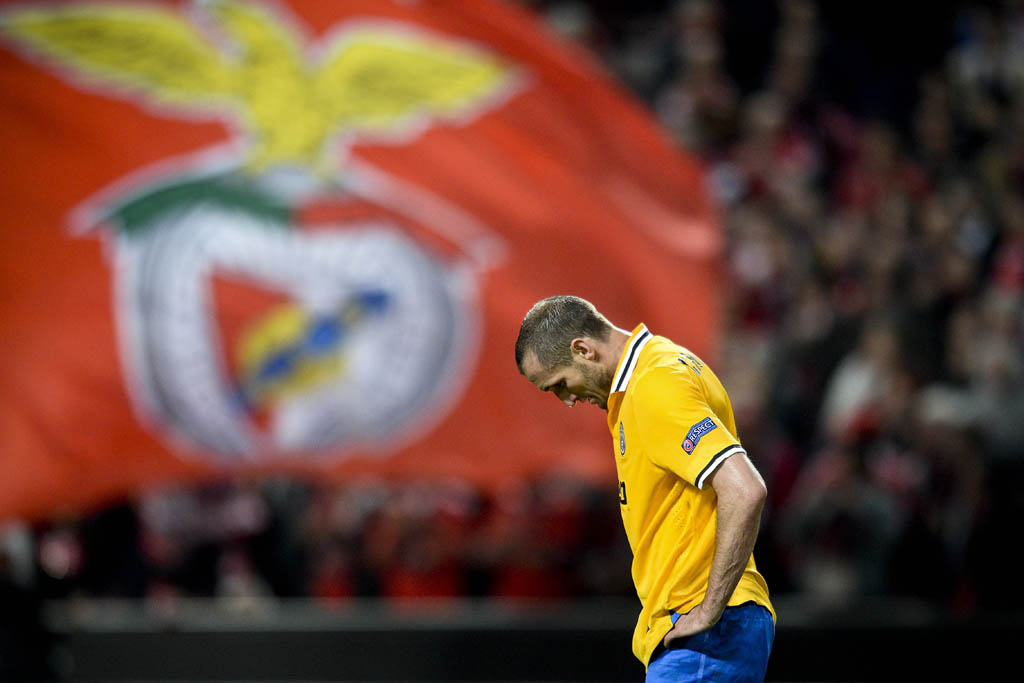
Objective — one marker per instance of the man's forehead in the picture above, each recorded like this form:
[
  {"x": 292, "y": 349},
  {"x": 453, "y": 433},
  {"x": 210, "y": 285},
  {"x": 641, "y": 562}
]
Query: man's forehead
[
  {"x": 532, "y": 369},
  {"x": 536, "y": 373}
]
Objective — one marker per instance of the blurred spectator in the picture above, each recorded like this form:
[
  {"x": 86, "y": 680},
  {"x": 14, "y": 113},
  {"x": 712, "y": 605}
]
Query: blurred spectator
[
  {"x": 853, "y": 400},
  {"x": 840, "y": 527},
  {"x": 24, "y": 643}
]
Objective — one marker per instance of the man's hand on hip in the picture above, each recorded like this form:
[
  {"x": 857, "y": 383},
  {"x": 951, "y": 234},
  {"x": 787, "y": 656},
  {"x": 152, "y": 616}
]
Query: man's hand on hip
[{"x": 695, "y": 621}]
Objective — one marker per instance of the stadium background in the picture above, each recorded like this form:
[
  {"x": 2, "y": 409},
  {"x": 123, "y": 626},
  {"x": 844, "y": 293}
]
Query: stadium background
[{"x": 868, "y": 165}]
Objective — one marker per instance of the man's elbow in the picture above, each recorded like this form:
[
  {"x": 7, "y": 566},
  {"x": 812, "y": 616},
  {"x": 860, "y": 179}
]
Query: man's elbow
[
  {"x": 738, "y": 482},
  {"x": 759, "y": 494},
  {"x": 755, "y": 493}
]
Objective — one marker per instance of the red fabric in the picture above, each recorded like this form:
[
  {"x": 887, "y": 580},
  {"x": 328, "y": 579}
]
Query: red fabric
[{"x": 585, "y": 194}]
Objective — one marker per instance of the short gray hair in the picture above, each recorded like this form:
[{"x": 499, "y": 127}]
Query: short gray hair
[{"x": 550, "y": 326}]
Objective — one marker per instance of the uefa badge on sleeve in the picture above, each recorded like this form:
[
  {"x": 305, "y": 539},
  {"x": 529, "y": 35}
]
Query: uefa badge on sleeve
[{"x": 696, "y": 432}]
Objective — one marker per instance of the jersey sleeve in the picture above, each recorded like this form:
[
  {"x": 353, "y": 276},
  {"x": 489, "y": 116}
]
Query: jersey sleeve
[{"x": 680, "y": 431}]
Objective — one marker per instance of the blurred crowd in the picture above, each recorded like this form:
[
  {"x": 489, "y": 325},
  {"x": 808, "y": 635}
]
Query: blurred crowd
[
  {"x": 549, "y": 539},
  {"x": 875, "y": 228},
  {"x": 872, "y": 347}
]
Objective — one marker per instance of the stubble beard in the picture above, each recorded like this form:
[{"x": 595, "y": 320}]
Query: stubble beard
[{"x": 600, "y": 380}]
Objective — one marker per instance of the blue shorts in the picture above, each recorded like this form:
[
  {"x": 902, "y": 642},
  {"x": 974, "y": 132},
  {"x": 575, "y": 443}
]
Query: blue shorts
[{"x": 734, "y": 649}]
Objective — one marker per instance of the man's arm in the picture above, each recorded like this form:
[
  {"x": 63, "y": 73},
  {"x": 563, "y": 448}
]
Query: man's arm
[{"x": 741, "y": 493}]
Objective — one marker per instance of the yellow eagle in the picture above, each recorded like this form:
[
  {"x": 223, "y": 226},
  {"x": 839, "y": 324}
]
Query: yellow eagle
[{"x": 250, "y": 65}]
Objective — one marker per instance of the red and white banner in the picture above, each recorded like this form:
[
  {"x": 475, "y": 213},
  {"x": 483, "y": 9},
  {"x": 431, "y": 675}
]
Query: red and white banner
[{"x": 243, "y": 238}]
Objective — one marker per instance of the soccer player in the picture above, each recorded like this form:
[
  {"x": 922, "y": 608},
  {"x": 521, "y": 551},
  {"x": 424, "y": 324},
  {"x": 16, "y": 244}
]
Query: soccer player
[{"x": 690, "y": 499}]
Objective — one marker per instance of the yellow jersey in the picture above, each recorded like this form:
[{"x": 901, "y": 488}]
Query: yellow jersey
[{"x": 672, "y": 425}]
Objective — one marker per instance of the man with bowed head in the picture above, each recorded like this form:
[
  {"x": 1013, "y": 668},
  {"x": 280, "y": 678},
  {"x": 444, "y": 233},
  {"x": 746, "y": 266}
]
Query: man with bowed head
[{"x": 690, "y": 498}]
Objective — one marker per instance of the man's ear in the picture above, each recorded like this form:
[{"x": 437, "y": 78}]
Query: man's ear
[{"x": 584, "y": 348}]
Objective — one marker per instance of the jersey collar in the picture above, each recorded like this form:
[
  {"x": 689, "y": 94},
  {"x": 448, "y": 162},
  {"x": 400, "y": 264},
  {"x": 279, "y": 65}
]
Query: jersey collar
[{"x": 628, "y": 362}]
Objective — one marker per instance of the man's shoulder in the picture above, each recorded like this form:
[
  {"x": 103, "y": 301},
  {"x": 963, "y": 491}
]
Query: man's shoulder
[
  {"x": 661, "y": 355},
  {"x": 661, "y": 368}
]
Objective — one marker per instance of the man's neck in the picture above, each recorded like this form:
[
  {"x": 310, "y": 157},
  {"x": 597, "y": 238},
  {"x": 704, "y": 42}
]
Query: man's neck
[{"x": 616, "y": 347}]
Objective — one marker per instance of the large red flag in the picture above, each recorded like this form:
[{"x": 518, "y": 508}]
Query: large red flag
[{"x": 255, "y": 237}]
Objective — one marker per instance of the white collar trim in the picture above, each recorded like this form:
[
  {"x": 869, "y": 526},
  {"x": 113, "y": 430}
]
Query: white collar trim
[{"x": 631, "y": 354}]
